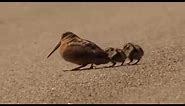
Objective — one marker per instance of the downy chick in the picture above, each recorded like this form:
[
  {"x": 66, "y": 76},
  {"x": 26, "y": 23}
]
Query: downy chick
[
  {"x": 115, "y": 55},
  {"x": 133, "y": 52}
]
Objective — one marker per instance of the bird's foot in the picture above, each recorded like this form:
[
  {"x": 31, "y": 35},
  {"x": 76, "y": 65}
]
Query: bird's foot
[{"x": 92, "y": 67}]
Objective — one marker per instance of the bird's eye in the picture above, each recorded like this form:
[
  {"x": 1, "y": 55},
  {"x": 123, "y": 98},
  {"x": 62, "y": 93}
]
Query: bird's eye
[{"x": 127, "y": 47}]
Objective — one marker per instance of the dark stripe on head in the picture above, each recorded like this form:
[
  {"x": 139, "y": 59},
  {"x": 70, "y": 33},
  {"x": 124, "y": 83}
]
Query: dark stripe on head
[{"x": 67, "y": 34}]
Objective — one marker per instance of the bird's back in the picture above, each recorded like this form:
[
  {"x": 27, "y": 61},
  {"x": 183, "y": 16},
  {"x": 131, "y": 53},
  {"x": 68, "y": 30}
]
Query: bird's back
[{"x": 139, "y": 49}]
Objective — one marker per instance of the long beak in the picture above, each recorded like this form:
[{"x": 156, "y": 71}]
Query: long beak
[{"x": 58, "y": 45}]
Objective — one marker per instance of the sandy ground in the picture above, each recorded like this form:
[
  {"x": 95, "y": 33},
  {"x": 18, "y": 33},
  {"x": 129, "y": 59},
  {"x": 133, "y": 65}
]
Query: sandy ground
[{"x": 29, "y": 31}]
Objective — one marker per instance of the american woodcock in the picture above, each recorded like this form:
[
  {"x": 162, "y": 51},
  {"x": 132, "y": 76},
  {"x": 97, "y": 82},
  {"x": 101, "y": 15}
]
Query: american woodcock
[
  {"x": 133, "y": 52},
  {"x": 80, "y": 51},
  {"x": 115, "y": 55}
]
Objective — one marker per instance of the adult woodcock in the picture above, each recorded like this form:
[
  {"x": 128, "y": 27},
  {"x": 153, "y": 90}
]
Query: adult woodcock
[{"x": 80, "y": 51}]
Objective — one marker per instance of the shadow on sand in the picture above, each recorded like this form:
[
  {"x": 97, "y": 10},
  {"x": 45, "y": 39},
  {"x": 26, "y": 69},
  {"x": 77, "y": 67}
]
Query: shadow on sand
[{"x": 100, "y": 67}]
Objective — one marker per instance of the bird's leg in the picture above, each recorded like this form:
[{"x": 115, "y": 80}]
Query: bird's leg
[
  {"x": 91, "y": 67},
  {"x": 122, "y": 62},
  {"x": 113, "y": 64},
  {"x": 77, "y": 68},
  {"x": 130, "y": 61}
]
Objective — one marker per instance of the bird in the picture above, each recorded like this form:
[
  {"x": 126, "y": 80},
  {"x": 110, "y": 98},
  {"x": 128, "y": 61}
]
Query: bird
[
  {"x": 133, "y": 52},
  {"x": 80, "y": 51},
  {"x": 115, "y": 55}
]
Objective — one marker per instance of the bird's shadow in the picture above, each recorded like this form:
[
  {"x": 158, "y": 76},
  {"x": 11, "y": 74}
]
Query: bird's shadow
[{"x": 104, "y": 67}]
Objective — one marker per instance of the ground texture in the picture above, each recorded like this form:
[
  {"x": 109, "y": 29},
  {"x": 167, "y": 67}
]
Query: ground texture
[{"x": 29, "y": 31}]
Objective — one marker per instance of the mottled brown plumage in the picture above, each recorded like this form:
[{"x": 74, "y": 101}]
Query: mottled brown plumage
[
  {"x": 133, "y": 52},
  {"x": 80, "y": 51},
  {"x": 115, "y": 55}
]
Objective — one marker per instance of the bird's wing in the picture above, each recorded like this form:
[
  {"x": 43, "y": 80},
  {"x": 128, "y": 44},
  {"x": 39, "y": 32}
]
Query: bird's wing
[{"x": 89, "y": 47}]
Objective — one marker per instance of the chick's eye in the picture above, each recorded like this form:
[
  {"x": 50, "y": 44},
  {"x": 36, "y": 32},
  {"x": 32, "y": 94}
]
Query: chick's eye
[{"x": 126, "y": 47}]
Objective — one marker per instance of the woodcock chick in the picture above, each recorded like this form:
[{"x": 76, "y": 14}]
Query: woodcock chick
[
  {"x": 133, "y": 52},
  {"x": 115, "y": 55}
]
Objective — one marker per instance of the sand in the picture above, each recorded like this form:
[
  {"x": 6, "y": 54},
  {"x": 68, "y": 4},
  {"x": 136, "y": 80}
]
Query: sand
[{"x": 29, "y": 31}]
